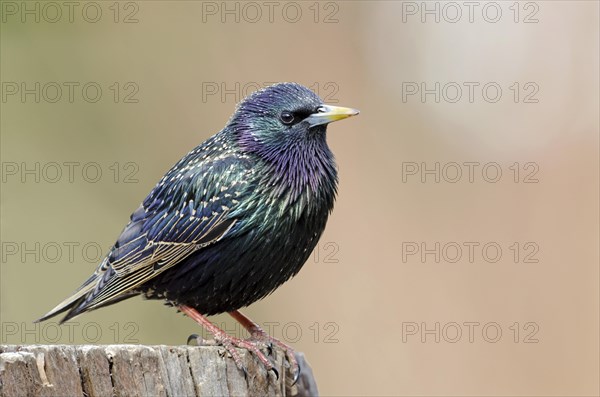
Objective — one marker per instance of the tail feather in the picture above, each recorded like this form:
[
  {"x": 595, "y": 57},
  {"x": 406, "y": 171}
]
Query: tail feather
[
  {"x": 79, "y": 302},
  {"x": 72, "y": 301},
  {"x": 82, "y": 305}
]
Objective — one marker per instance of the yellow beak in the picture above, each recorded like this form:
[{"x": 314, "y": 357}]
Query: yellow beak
[{"x": 326, "y": 114}]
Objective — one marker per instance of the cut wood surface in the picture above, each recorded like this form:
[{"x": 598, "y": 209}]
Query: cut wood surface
[{"x": 137, "y": 370}]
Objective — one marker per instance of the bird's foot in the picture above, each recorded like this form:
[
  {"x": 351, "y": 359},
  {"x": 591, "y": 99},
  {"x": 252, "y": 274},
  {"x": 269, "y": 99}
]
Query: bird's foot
[
  {"x": 259, "y": 336},
  {"x": 229, "y": 342}
]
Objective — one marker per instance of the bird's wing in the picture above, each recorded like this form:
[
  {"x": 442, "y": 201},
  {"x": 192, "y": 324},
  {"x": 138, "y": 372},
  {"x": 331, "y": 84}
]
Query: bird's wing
[
  {"x": 146, "y": 255},
  {"x": 188, "y": 209}
]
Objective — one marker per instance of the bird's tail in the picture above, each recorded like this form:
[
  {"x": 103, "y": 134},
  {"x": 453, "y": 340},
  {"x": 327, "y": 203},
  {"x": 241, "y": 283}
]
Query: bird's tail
[
  {"x": 72, "y": 302},
  {"x": 82, "y": 300}
]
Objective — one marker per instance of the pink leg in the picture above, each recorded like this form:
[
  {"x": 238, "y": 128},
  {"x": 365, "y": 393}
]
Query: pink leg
[
  {"x": 259, "y": 335},
  {"x": 228, "y": 342}
]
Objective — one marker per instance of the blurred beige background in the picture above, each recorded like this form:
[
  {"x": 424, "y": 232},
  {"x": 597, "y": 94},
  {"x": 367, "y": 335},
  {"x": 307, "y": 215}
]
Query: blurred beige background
[{"x": 368, "y": 308}]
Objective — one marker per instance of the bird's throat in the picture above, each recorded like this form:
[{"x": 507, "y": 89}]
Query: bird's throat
[{"x": 301, "y": 178}]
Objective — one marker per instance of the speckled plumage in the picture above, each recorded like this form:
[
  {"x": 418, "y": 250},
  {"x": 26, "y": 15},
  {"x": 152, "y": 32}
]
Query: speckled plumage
[{"x": 234, "y": 219}]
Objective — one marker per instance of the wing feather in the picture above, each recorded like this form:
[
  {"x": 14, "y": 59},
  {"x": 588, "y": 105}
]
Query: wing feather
[{"x": 187, "y": 210}]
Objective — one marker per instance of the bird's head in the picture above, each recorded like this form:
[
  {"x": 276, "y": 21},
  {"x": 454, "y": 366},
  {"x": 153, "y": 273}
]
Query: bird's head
[
  {"x": 283, "y": 126},
  {"x": 283, "y": 116}
]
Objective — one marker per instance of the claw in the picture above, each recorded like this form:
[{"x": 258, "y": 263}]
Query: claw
[
  {"x": 297, "y": 373},
  {"x": 257, "y": 334},
  {"x": 259, "y": 338},
  {"x": 199, "y": 341},
  {"x": 230, "y": 343}
]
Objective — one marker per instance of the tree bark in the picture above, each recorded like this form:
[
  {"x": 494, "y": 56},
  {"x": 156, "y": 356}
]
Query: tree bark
[{"x": 137, "y": 370}]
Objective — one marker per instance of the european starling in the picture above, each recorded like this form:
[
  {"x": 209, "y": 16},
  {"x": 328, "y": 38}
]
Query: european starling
[{"x": 233, "y": 220}]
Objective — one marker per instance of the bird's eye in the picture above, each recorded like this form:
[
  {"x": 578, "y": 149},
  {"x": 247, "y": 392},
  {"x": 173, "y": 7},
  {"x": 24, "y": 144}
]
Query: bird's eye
[{"x": 287, "y": 118}]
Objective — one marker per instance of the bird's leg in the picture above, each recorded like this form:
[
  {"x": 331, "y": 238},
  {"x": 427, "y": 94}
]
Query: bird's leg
[
  {"x": 229, "y": 342},
  {"x": 259, "y": 335}
]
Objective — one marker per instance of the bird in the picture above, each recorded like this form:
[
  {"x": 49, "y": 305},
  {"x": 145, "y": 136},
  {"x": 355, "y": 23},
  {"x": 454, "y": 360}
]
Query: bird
[{"x": 231, "y": 221}]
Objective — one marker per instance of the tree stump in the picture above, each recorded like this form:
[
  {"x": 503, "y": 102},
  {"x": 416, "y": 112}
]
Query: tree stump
[{"x": 137, "y": 370}]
